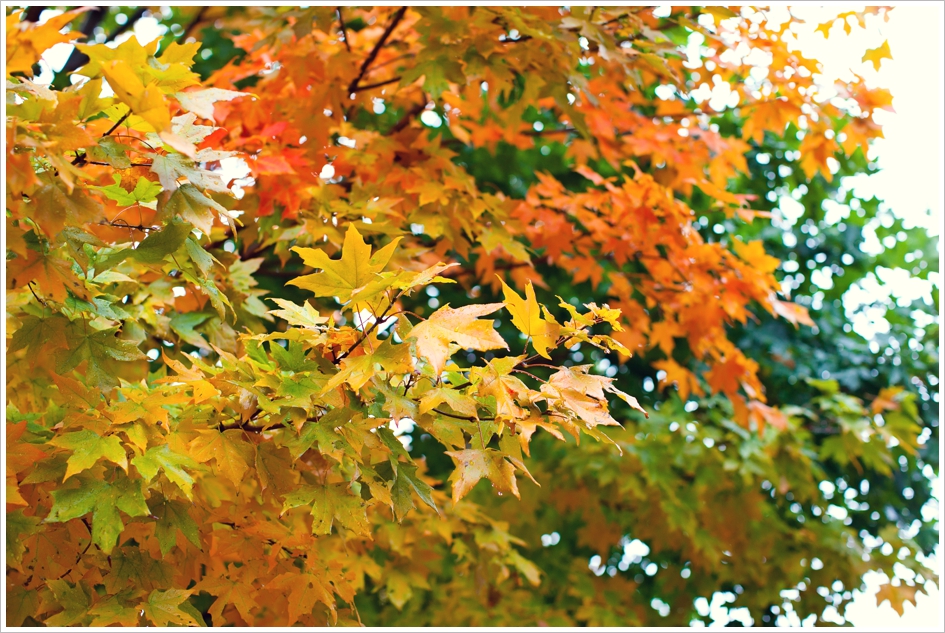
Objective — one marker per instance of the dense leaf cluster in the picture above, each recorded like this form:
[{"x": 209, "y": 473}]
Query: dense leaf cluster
[{"x": 461, "y": 238}]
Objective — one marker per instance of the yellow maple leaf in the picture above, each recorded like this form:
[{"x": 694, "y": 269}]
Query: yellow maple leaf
[
  {"x": 527, "y": 317},
  {"x": 876, "y": 55},
  {"x": 27, "y": 41},
  {"x": 343, "y": 277},
  {"x": 474, "y": 464}
]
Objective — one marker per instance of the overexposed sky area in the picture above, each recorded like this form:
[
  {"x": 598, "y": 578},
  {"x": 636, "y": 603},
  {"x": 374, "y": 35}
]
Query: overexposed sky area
[{"x": 910, "y": 181}]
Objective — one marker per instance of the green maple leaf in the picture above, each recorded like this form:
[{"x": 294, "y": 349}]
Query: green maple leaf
[
  {"x": 132, "y": 567},
  {"x": 173, "y": 464},
  {"x": 19, "y": 526},
  {"x": 164, "y": 608},
  {"x": 37, "y": 333},
  {"x": 99, "y": 347},
  {"x": 328, "y": 503},
  {"x": 74, "y": 601},
  {"x": 145, "y": 191},
  {"x": 195, "y": 207},
  {"x": 405, "y": 482},
  {"x": 175, "y": 516},
  {"x": 113, "y": 611},
  {"x": 184, "y": 325},
  {"x": 87, "y": 448},
  {"x": 103, "y": 500}
]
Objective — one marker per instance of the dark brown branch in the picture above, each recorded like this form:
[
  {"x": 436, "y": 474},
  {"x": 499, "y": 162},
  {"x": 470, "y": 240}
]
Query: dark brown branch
[
  {"x": 32, "y": 14},
  {"x": 405, "y": 120},
  {"x": 395, "y": 20},
  {"x": 121, "y": 224},
  {"x": 193, "y": 23},
  {"x": 117, "y": 123},
  {"x": 79, "y": 557},
  {"x": 468, "y": 418},
  {"x": 616, "y": 19},
  {"x": 377, "y": 85},
  {"x": 30, "y": 286},
  {"x": 80, "y": 159},
  {"x": 344, "y": 31}
]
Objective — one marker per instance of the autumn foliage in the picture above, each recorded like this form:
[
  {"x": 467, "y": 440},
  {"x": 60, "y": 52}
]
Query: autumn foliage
[{"x": 277, "y": 400}]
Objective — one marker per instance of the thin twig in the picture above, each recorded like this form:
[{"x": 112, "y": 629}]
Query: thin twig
[
  {"x": 344, "y": 31},
  {"x": 30, "y": 286},
  {"x": 117, "y": 124},
  {"x": 468, "y": 418},
  {"x": 405, "y": 120},
  {"x": 79, "y": 558},
  {"x": 378, "y": 84},
  {"x": 368, "y": 331},
  {"x": 193, "y": 23},
  {"x": 395, "y": 20}
]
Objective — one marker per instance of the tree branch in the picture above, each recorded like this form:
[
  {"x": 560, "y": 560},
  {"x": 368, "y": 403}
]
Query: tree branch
[
  {"x": 344, "y": 31},
  {"x": 468, "y": 418},
  {"x": 405, "y": 120},
  {"x": 32, "y": 14},
  {"x": 193, "y": 23},
  {"x": 368, "y": 331},
  {"x": 377, "y": 85},
  {"x": 398, "y": 16}
]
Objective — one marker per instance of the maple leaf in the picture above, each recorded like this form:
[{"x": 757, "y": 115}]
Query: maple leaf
[
  {"x": 161, "y": 458},
  {"x": 200, "y": 102},
  {"x": 457, "y": 401},
  {"x": 230, "y": 590},
  {"x": 456, "y": 325},
  {"x": 343, "y": 277},
  {"x": 876, "y": 55},
  {"x": 897, "y": 596},
  {"x": 193, "y": 206},
  {"x": 164, "y": 608},
  {"x": 144, "y": 191},
  {"x": 475, "y": 464},
  {"x": 87, "y": 448},
  {"x": 74, "y": 600},
  {"x": 685, "y": 381},
  {"x": 56, "y": 207},
  {"x": 754, "y": 255},
  {"x": 405, "y": 483},
  {"x": 356, "y": 371},
  {"x": 173, "y": 517},
  {"x": 527, "y": 317},
  {"x": 27, "y": 41},
  {"x": 329, "y": 503},
  {"x": 227, "y": 448},
  {"x": 304, "y": 591},
  {"x": 495, "y": 380},
  {"x": 303, "y": 316},
  {"x": 103, "y": 500},
  {"x": 112, "y": 611}
]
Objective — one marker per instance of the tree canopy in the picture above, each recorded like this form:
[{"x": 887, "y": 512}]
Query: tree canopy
[{"x": 457, "y": 316}]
